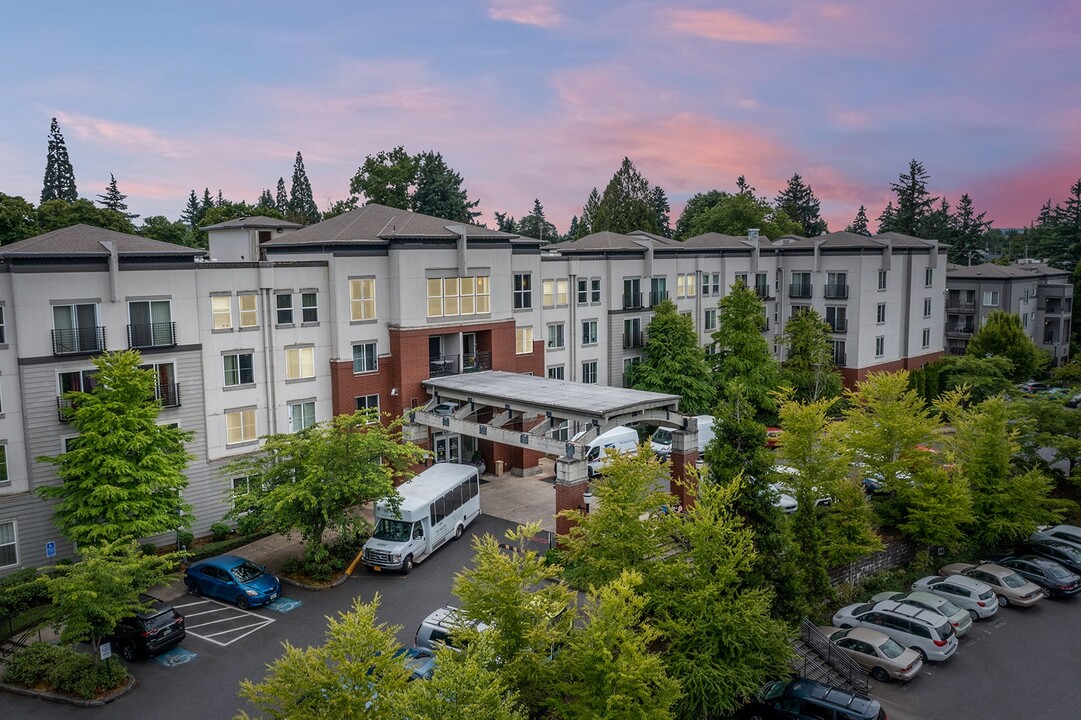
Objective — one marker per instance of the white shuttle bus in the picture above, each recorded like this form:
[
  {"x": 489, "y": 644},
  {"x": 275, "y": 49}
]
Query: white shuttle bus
[{"x": 437, "y": 505}]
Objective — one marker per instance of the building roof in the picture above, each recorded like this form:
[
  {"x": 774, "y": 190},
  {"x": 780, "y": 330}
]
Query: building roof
[
  {"x": 89, "y": 241},
  {"x": 379, "y": 224},
  {"x": 1004, "y": 272},
  {"x": 255, "y": 221},
  {"x": 718, "y": 240}
]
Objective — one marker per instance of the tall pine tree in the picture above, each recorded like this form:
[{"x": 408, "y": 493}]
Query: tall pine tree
[
  {"x": 113, "y": 199},
  {"x": 281, "y": 197},
  {"x": 887, "y": 221},
  {"x": 302, "y": 208},
  {"x": 59, "y": 181},
  {"x": 535, "y": 225},
  {"x": 585, "y": 223},
  {"x": 799, "y": 203},
  {"x": 626, "y": 204},
  {"x": 439, "y": 190},
  {"x": 192, "y": 211},
  {"x": 859, "y": 223},
  {"x": 662, "y": 210},
  {"x": 914, "y": 202},
  {"x": 969, "y": 231},
  {"x": 266, "y": 200}
]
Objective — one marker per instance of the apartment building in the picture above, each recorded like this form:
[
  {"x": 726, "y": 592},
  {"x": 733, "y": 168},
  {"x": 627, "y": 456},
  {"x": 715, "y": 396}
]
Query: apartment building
[
  {"x": 1042, "y": 296},
  {"x": 278, "y": 327}
]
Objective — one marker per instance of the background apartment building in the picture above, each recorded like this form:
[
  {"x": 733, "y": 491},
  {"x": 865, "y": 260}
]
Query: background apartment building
[{"x": 279, "y": 327}]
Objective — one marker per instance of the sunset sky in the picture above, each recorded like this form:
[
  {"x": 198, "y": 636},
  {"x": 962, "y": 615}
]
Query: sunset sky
[{"x": 543, "y": 98}]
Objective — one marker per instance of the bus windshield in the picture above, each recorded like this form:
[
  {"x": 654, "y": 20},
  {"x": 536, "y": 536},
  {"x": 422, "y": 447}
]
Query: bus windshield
[{"x": 392, "y": 530}]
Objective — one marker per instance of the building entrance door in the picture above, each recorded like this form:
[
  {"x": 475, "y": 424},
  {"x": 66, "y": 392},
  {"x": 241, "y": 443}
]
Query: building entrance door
[{"x": 448, "y": 447}]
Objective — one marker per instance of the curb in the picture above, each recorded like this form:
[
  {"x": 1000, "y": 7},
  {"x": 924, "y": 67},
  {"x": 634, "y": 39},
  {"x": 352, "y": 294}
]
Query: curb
[
  {"x": 303, "y": 586},
  {"x": 71, "y": 699}
]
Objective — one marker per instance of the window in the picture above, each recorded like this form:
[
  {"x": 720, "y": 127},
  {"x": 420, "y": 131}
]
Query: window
[
  {"x": 880, "y": 313},
  {"x": 150, "y": 324},
  {"x": 837, "y": 317},
  {"x": 555, "y": 336},
  {"x": 632, "y": 293},
  {"x": 632, "y": 333},
  {"x": 589, "y": 332},
  {"x": 284, "y": 303},
  {"x": 711, "y": 284},
  {"x": 881, "y": 279},
  {"x": 658, "y": 290},
  {"x": 221, "y": 310},
  {"x": 685, "y": 285},
  {"x": 927, "y": 337},
  {"x": 929, "y": 277},
  {"x": 239, "y": 426},
  {"x": 836, "y": 285},
  {"x": 990, "y": 298},
  {"x": 299, "y": 363},
  {"x": 710, "y": 319},
  {"x": 309, "y": 307},
  {"x": 880, "y": 346},
  {"x": 589, "y": 290},
  {"x": 523, "y": 340},
  {"x": 742, "y": 277},
  {"x": 556, "y": 372},
  {"x": 801, "y": 285},
  {"x": 3, "y": 465},
  {"x": 362, "y": 299},
  {"x": 368, "y": 402},
  {"x": 9, "y": 552},
  {"x": 839, "y": 353},
  {"x": 301, "y": 415},
  {"x": 927, "y": 307},
  {"x": 589, "y": 371},
  {"x": 166, "y": 389},
  {"x": 554, "y": 293},
  {"x": 594, "y": 290},
  {"x": 523, "y": 291},
  {"x": 458, "y": 296},
  {"x": 238, "y": 369},
  {"x": 249, "y": 314},
  {"x": 3, "y": 327},
  {"x": 628, "y": 366},
  {"x": 1024, "y": 319},
  {"x": 364, "y": 358}
]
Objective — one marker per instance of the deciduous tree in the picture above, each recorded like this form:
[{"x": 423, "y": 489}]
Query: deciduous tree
[
  {"x": 158, "y": 227},
  {"x": 387, "y": 178},
  {"x": 698, "y": 204},
  {"x": 18, "y": 219},
  {"x": 674, "y": 362},
  {"x": 736, "y": 214},
  {"x": 57, "y": 214},
  {"x": 742, "y": 353},
  {"x": 808, "y": 368},
  {"x": 467, "y": 686},
  {"x": 1002, "y": 335}
]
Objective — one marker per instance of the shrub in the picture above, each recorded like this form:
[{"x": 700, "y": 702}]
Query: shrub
[
  {"x": 249, "y": 524},
  {"x": 21, "y": 591},
  {"x": 184, "y": 538},
  {"x": 220, "y": 531},
  {"x": 63, "y": 669},
  {"x": 149, "y": 549}
]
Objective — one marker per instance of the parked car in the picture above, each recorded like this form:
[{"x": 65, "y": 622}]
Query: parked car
[
  {"x": 418, "y": 661},
  {"x": 787, "y": 471},
  {"x": 1073, "y": 401},
  {"x": 1032, "y": 387},
  {"x": 958, "y": 617},
  {"x": 1010, "y": 588},
  {"x": 233, "y": 579},
  {"x": 804, "y": 698},
  {"x": 1060, "y": 533},
  {"x": 441, "y": 626},
  {"x": 773, "y": 437},
  {"x": 1053, "y": 578},
  {"x": 925, "y": 631},
  {"x": 1065, "y": 554},
  {"x": 782, "y": 499},
  {"x": 882, "y": 656},
  {"x": 975, "y": 596},
  {"x": 148, "y": 633}
]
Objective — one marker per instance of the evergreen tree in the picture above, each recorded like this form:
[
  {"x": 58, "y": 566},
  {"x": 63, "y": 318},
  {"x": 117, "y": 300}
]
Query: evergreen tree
[
  {"x": 798, "y": 201},
  {"x": 302, "y": 208},
  {"x": 969, "y": 233},
  {"x": 439, "y": 191},
  {"x": 158, "y": 227},
  {"x": 572, "y": 230},
  {"x": 674, "y": 362},
  {"x": 914, "y": 202},
  {"x": 59, "y": 181},
  {"x": 939, "y": 224},
  {"x": 887, "y": 221},
  {"x": 662, "y": 210},
  {"x": 1066, "y": 228},
  {"x": 859, "y": 223},
  {"x": 266, "y": 200},
  {"x": 192, "y": 213},
  {"x": 743, "y": 356},
  {"x": 206, "y": 205},
  {"x": 743, "y": 187},
  {"x": 808, "y": 368},
  {"x": 627, "y": 203},
  {"x": 113, "y": 199},
  {"x": 281, "y": 198},
  {"x": 536, "y": 226},
  {"x": 220, "y": 200},
  {"x": 696, "y": 206},
  {"x": 505, "y": 223},
  {"x": 589, "y": 210}
]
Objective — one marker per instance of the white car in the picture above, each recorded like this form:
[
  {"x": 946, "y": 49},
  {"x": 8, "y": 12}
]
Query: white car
[
  {"x": 791, "y": 472},
  {"x": 972, "y": 595},
  {"x": 958, "y": 617},
  {"x": 926, "y": 631},
  {"x": 782, "y": 499}
]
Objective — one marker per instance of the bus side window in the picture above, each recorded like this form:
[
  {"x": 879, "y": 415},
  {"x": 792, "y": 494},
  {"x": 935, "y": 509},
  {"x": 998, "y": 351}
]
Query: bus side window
[
  {"x": 431, "y": 513},
  {"x": 418, "y": 530}
]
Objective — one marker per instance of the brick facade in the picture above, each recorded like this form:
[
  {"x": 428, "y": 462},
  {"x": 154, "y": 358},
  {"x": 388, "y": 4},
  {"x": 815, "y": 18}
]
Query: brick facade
[{"x": 852, "y": 376}]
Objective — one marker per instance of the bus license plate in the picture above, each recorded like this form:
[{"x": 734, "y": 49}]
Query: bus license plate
[{"x": 376, "y": 568}]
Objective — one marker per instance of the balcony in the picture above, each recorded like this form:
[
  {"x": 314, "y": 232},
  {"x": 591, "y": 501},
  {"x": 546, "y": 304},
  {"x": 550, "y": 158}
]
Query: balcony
[
  {"x": 1053, "y": 308},
  {"x": 799, "y": 290},
  {"x": 151, "y": 335},
  {"x": 836, "y": 292},
  {"x": 168, "y": 395},
  {"x": 443, "y": 365},
  {"x": 959, "y": 306},
  {"x": 1050, "y": 338},
  {"x": 64, "y": 409},
  {"x": 475, "y": 362},
  {"x": 838, "y": 325},
  {"x": 960, "y": 331},
  {"x": 79, "y": 341},
  {"x": 762, "y": 291},
  {"x": 634, "y": 339},
  {"x": 656, "y": 297},
  {"x": 632, "y": 301}
]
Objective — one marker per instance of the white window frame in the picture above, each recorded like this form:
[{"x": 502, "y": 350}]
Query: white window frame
[
  {"x": 882, "y": 280},
  {"x": 709, "y": 319},
  {"x": 374, "y": 357},
  {"x": 301, "y": 406},
  {"x": 926, "y": 337},
  {"x": 685, "y": 285},
  {"x": 557, "y": 336},
  {"x": 279, "y": 309},
  {"x": 236, "y": 420},
  {"x": 523, "y": 340},
  {"x": 363, "y": 402},
  {"x": 300, "y": 363},
  {"x": 929, "y": 277},
  {"x": 589, "y": 372},
  {"x": 239, "y": 374},
  {"x": 362, "y": 306},
  {"x": 306, "y": 308},
  {"x": 991, "y": 298},
  {"x": 880, "y": 346},
  {"x": 522, "y": 297},
  {"x": 3, "y": 326},
  {"x": 927, "y": 307},
  {"x": 14, "y": 540},
  {"x": 248, "y": 316},
  {"x": 221, "y": 312},
  {"x": 589, "y": 333},
  {"x": 880, "y": 314},
  {"x": 556, "y": 372},
  {"x": 5, "y": 474}
]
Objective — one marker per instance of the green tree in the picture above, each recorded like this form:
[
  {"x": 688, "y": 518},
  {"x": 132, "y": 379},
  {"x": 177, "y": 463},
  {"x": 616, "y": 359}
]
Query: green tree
[
  {"x": 736, "y": 214},
  {"x": 192, "y": 213},
  {"x": 969, "y": 233},
  {"x": 674, "y": 362},
  {"x": 859, "y": 223},
  {"x": 589, "y": 211},
  {"x": 266, "y": 200},
  {"x": 59, "y": 183},
  {"x": 308, "y": 481},
  {"x": 698, "y": 204},
  {"x": 914, "y": 202},
  {"x": 939, "y": 224},
  {"x": 281, "y": 197},
  {"x": 887, "y": 221},
  {"x": 113, "y": 199},
  {"x": 439, "y": 191},
  {"x": 798, "y": 201},
  {"x": 1002, "y": 335},
  {"x": 387, "y": 178},
  {"x": 124, "y": 475},
  {"x": 467, "y": 686},
  {"x": 18, "y": 219},
  {"x": 1047, "y": 423},
  {"x": 982, "y": 376},
  {"x": 91, "y": 596},
  {"x": 535, "y": 225},
  {"x": 627, "y": 203},
  {"x": 158, "y": 227},
  {"x": 355, "y": 674},
  {"x": 662, "y": 210},
  {"x": 808, "y": 369},
  {"x": 505, "y": 223},
  {"x": 58, "y": 214},
  {"x": 302, "y": 208},
  {"x": 938, "y": 507},
  {"x": 572, "y": 230},
  {"x": 340, "y": 207},
  {"x": 743, "y": 355},
  {"x": 848, "y": 532}
]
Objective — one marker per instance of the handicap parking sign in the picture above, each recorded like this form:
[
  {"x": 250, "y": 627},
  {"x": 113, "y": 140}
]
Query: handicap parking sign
[{"x": 50, "y": 549}]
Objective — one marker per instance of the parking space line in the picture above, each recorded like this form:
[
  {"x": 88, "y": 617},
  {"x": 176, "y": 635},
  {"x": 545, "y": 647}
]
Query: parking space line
[
  {"x": 242, "y": 627},
  {"x": 235, "y": 614},
  {"x": 224, "y": 608},
  {"x": 212, "y": 622}
]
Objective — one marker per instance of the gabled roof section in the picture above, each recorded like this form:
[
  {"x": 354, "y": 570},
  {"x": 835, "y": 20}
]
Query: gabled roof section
[
  {"x": 902, "y": 240},
  {"x": 88, "y": 241},
  {"x": 255, "y": 221},
  {"x": 1004, "y": 272},
  {"x": 606, "y": 241},
  {"x": 659, "y": 239},
  {"x": 719, "y": 240},
  {"x": 378, "y": 225}
]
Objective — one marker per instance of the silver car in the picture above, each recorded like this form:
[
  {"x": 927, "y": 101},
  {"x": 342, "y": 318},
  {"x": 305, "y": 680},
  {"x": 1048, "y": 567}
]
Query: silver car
[
  {"x": 976, "y": 597},
  {"x": 958, "y": 617}
]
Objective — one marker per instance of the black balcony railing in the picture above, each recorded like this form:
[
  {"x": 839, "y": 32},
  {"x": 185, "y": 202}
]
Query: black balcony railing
[
  {"x": 632, "y": 339},
  {"x": 475, "y": 362},
  {"x": 168, "y": 395},
  {"x": 151, "y": 335},
  {"x": 1053, "y": 308},
  {"x": 632, "y": 301},
  {"x": 958, "y": 306},
  {"x": 443, "y": 365},
  {"x": 960, "y": 330},
  {"x": 63, "y": 409},
  {"x": 799, "y": 290},
  {"x": 836, "y": 292},
  {"x": 838, "y": 325},
  {"x": 762, "y": 291},
  {"x": 1050, "y": 339},
  {"x": 656, "y": 297},
  {"x": 80, "y": 340}
]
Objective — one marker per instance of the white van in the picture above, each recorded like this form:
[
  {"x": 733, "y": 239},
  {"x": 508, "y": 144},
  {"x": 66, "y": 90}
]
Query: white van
[
  {"x": 620, "y": 439},
  {"x": 661, "y": 441},
  {"x": 436, "y": 505}
]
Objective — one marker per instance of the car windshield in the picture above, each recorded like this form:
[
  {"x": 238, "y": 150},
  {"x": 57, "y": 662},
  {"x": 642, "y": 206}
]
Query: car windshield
[
  {"x": 861, "y": 609},
  {"x": 392, "y": 530},
  {"x": 948, "y": 609},
  {"x": 1058, "y": 572},
  {"x": 1074, "y": 555},
  {"x": 891, "y": 648},
  {"x": 986, "y": 595},
  {"x": 247, "y": 571},
  {"x": 663, "y": 436},
  {"x": 1013, "y": 580}
]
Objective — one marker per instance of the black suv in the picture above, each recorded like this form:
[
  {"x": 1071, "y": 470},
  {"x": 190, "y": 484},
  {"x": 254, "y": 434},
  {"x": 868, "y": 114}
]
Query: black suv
[
  {"x": 149, "y": 633},
  {"x": 803, "y": 699}
]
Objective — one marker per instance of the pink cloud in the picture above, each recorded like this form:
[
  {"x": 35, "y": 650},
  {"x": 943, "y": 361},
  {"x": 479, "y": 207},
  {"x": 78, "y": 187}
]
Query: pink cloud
[
  {"x": 539, "y": 13},
  {"x": 731, "y": 26},
  {"x": 121, "y": 136}
]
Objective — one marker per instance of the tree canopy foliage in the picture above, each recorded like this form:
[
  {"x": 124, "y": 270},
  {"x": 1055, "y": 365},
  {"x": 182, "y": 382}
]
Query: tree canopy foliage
[
  {"x": 627, "y": 203},
  {"x": 59, "y": 182},
  {"x": 674, "y": 362},
  {"x": 742, "y": 354},
  {"x": 808, "y": 366},
  {"x": 800, "y": 204},
  {"x": 1002, "y": 335}
]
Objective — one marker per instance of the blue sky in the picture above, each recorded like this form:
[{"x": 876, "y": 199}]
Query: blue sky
[{"x": 543, "y": 98}]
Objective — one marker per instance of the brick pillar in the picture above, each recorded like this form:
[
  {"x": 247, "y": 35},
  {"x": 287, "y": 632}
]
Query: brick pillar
[
  {"x": 571, "y": 485},
  {"x": 683, "y": 458}
]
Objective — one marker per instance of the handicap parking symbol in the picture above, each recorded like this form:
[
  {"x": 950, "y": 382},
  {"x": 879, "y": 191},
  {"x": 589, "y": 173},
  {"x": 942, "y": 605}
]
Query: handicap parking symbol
[
  {"x": 284, "y": 605},
  {"x": 175, "y": 657}
]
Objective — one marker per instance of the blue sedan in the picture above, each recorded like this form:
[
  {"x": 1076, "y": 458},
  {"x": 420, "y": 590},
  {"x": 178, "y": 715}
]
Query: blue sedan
[{"x": 233, "y": 579}]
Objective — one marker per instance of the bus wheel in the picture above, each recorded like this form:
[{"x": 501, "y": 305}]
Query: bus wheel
[
  {"x": 458, "y": 532},
  {"x": 407, "y": 565}
]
